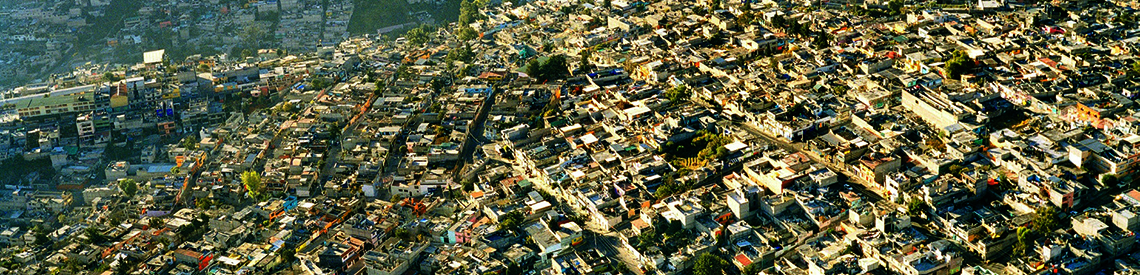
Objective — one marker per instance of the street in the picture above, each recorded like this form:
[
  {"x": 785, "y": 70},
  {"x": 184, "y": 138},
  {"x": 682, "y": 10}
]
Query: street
[{"x": 474, "y": 129}]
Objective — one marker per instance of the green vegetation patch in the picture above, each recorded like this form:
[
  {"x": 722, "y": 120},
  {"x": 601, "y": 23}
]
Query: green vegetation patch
[{"x": 371, "y": 15}]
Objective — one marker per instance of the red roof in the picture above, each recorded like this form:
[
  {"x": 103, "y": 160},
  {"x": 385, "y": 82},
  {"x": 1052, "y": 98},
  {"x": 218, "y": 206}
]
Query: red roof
[
  {"x": 1135, "y": 195},
  {"x": 742, "y": 259},
  {"x": 639, "y": 224}
]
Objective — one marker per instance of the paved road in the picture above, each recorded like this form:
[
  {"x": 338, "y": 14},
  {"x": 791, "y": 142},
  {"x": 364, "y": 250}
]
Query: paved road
[
  {"x": 611, "y": 246},
  {"x": 869, "y": 191},
  {"x": 474, "y": 129}
]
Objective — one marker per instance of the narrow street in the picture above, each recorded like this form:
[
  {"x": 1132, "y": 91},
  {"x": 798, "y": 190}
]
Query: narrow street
[
  {"x": 474, "y": 129},
  {"x": 867, "y": 189}
]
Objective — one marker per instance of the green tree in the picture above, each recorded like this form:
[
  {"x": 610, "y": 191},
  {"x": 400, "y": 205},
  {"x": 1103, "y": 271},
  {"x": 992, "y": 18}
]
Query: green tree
[
  {"x": 915, "y": 206},
  {"x": 679, "y": 93},
  {"x": 752, "y": 269},
  {"x": 461, "y": 54},
  {"x": 585, "y": 55},
  {"x": 251, "y": 35},
  {"x": 155, "y": 222},
  {"x": 1025, "y": 236},
  {"x": 468, "y": 185},
  {"x": 288, "y": 255},
  {"x": 321, "y": 83},
  {"x": 94, "y": 236},
  {"x": 648, "y": 238},
  {"x": 469, "y": 12},
  {"x": 511, "y": 221},
  {"x": 709, "y": 264},
  {"x": 778, "y": 21},
  {"x": 129, "y": 187},
  {"x": 1047, "y": 219},
  {"x": 334, "y": 130},
  {"x": 402, "y": 71},
  {"x": 402, "y": 233},
  {"x": 1109, "y": 179},
  {"x": 190, "y": 142},
  {"x": 958, "y": 65},
  {"x": 554, "y": 67},
  {"x": 41, "y": 235},
  {"x": 203, "y": 203},
  {"x": 675, "y": 227},
  {"x": 252, "y": 182},
  {"x": 110, "y": 77},
  {"x": 821, "y": 40},
  {"x": 419, "y": 35},
  {"x": 895, "y": 7},
  {"x": 466, "y": 33}
]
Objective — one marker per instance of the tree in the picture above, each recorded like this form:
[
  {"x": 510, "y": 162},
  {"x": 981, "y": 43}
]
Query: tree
[
  {"x": 94, "y": 236},
  {"x": 190, "y": 142},
  {"x": 287, "y": 107},
  {"x": 778, "y": 21},
  {"x": 554, "y": 67},
  {"x": 584, "y": 55},
  {"x": 752, "y": 269},
  {"x": 466, "y": 33},
  {"x": 915, "y": 206},
  {"x": 125, "y": 267},
  {"x": 679, "y": 93},
  {"x": 1109, "y": 179},
  {"x": 895, "y": 7},
  {"x": 709, "y": 264},
  {"x": 675, "y": 227},
  {"x": 821, "y": 40},
  {"x": 468, "y": 185},
  {"x": 155, "y": 222},
  {"x": 648, "y": 238},
  {"x": 202, "y": 68},
  {"x": 461, "y": 54},
  {"x": 251, "y": 35},
  {"x": 288, "y": 255},
  {"x": 1046, "y": 220},
  {"x": 402, "y": 233},
  {"x": 334, "y": 130},
  {"x": 958, "y": 65},
  {"x": 203, "y": 203},
  {"x": 110, "y": 77},
  {"x": 469, "y": 12},
  {"x": 129, "y": 187},
  {"x": 1025, "y": 236},
  {"x": 320, "y": 83},
  {"x": 419, "y": 35},
  {"x": 511, "y": 221},
  {"x": 41, "y": 235},
  {"x": 402, "y": 71},
  {"x": 252, "y": 182}
]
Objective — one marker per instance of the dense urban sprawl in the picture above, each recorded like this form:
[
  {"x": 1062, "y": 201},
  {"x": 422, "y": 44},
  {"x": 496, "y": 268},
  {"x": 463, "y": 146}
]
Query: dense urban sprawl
[{"x": 562, "y": 138}]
